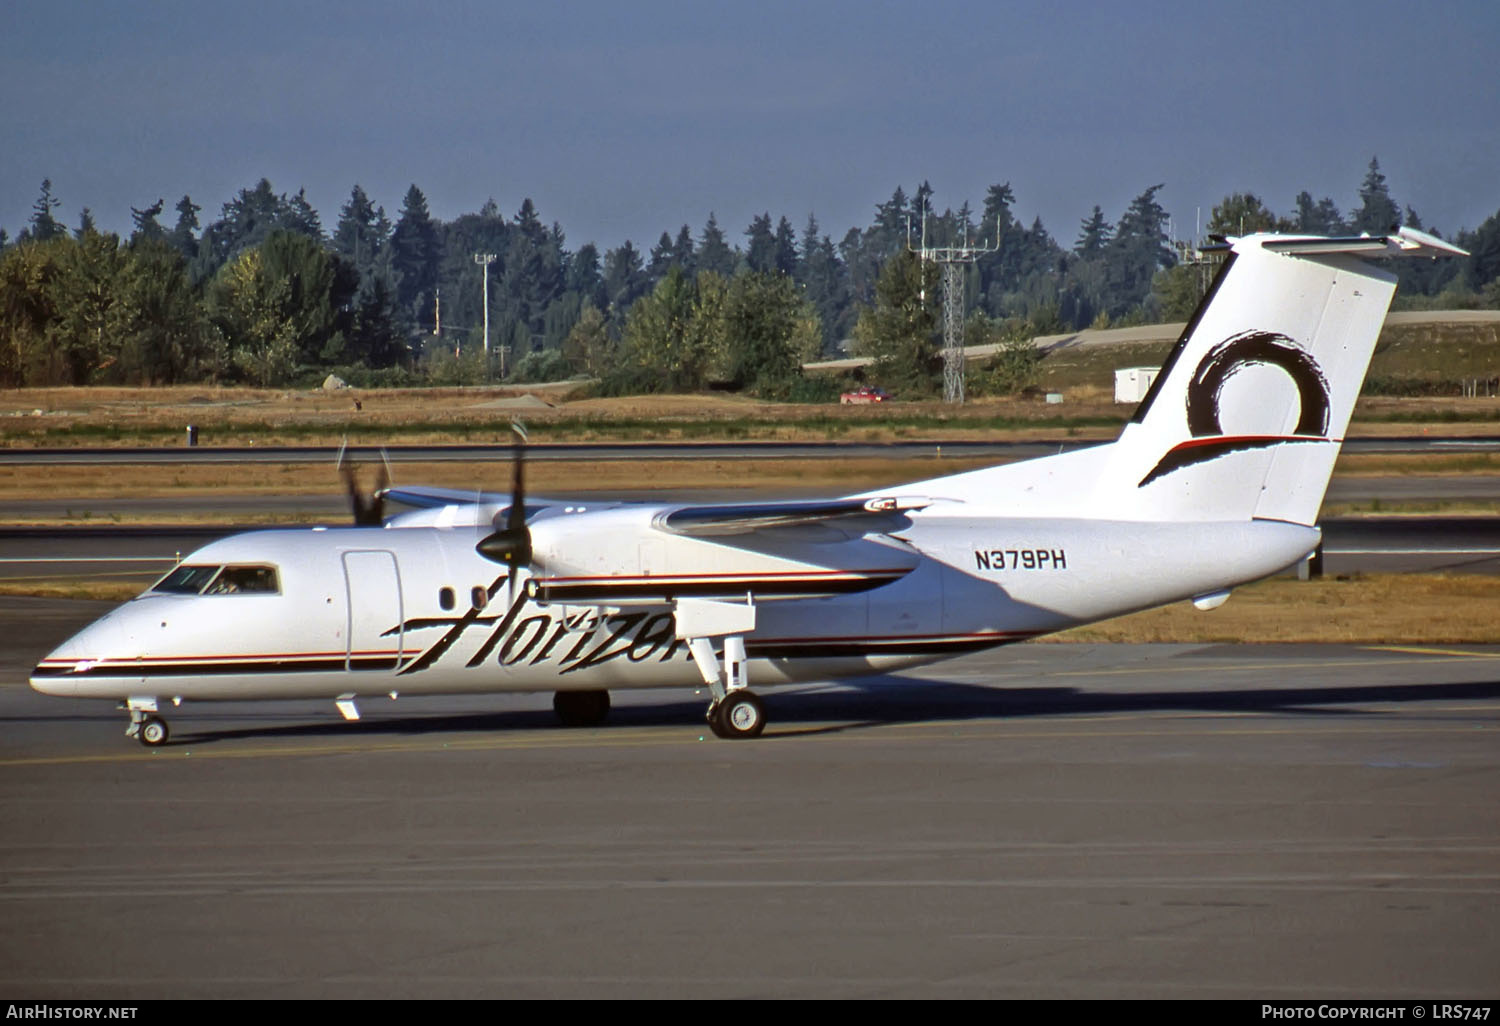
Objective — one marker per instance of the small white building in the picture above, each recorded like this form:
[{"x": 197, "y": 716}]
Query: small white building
[{"x": 1132, "y": 383}]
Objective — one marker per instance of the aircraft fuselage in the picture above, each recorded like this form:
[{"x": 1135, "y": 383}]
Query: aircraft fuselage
[{"x": 370, "y": 611}]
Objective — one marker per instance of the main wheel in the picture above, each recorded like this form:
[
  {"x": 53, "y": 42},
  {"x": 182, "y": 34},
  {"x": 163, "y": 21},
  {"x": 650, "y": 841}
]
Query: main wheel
[
  {"x": 739, "y": 715},
  {"x": 153, "y": 732},
  {"x": 716, "y": 720},
  {"x": 581, "y": 708}
]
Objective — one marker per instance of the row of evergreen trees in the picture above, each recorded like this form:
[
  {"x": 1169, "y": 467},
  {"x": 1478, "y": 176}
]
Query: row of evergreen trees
[{"x": 265, "y": 295}]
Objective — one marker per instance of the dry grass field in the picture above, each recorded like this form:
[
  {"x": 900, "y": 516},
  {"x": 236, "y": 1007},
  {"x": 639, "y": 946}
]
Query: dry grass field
[
  {"x": 118, "y": 416},
  {"x": 1410, "y": 354},
  {"x": 543, "y": 477},
  {"x": 1359, "y": 609}
]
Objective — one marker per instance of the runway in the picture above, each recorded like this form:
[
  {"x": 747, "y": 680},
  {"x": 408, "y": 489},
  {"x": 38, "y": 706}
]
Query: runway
[{"x": 1264, "y": 822}]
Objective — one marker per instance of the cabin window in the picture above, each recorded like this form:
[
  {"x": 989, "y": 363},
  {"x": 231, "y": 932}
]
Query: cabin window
[
  {"x": 445, "y": 598},
  {"x": 478, "y": 597}
]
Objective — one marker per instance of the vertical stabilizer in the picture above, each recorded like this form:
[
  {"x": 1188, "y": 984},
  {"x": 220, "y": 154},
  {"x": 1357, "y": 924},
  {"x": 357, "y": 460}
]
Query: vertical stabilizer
[{"x": 1247, "y": 415}]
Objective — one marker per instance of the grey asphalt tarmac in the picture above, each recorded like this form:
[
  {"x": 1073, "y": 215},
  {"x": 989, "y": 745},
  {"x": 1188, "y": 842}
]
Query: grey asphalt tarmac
[{"x": 1264, "y": 822}]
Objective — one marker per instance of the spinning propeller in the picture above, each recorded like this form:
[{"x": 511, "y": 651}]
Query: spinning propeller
[
  {"x": 511, "y": 544},
  {"x": 368, "y": 507}
]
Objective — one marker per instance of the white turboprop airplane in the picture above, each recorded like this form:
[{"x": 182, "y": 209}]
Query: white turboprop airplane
[{"x": 1216, "y": 481}]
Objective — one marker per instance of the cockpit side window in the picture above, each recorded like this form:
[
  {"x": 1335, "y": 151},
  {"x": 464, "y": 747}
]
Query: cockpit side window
[
  {"x": 245, "y": 580},
  {"x": 186, "y": 580},
  {"x": 220, "y": 580}
]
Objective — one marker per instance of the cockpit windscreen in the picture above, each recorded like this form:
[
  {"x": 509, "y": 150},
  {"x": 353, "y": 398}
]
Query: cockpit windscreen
[{"x": 220, "y": 580}]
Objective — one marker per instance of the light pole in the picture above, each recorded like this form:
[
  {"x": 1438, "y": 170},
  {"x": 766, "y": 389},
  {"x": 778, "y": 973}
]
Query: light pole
[{"x": 484, "y": 260}]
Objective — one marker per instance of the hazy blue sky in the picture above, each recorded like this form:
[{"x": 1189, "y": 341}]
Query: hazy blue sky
[{"x": 624, "y": 119}]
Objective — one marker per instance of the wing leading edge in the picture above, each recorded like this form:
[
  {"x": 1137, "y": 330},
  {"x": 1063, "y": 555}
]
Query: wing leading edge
[{"x": 880, "y": 514}]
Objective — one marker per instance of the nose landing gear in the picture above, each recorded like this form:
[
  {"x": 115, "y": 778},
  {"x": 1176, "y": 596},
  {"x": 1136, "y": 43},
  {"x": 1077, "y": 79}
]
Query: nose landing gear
[
  {"x": 145, "y": 726},
  {"x": 153, "y": 732}
]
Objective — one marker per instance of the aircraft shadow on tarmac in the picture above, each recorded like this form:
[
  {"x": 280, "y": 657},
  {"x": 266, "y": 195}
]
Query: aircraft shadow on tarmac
[{"x": 885, "y": 701}]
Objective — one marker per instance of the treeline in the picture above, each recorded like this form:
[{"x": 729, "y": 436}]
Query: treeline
[{"x": 265, "y": 295}]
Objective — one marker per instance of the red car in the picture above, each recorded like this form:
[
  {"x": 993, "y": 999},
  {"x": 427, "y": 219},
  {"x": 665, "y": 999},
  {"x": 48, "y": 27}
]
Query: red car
[{"x": 865, "y": 395}]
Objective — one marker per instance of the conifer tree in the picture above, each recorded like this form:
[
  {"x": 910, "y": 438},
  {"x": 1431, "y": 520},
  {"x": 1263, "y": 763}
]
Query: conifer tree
[
  {"x": 184, "y": 237},
  {"x": 1094, "y": 236},
  {"x": 43, "y": 225},
  {"x": 1378, "y": 214},
  {"x": 146, "y": 225},
  {"x": 414, "y": 258},
  {"x": 714, "y": 253}
]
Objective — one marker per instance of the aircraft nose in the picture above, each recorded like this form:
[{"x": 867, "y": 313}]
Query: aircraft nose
[
  {"x": 51, "y": 676},
  {"x": 59, "y": 672}
]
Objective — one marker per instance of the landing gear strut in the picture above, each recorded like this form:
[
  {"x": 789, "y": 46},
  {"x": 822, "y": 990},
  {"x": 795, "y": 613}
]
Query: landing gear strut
[
  {"x": 581, "y": 708},
  {"x": 734, "y": 711}
]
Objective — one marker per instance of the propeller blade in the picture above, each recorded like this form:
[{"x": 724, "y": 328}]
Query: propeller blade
[
  {"x": 516, "y": 519},
  {"x": 511, "y": 544},
  {"x": 368, "y": 508}
]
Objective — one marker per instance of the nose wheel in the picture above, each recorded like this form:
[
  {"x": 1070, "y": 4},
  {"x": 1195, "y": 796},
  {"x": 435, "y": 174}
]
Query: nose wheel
[
  {"x": 737, "y": 714},
  {"x": 145, "y": 726},
  {"x": 153, "y": 732}
]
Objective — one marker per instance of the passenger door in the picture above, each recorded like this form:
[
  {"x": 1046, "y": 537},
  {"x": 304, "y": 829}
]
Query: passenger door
[{"x": 376, "y": 632}]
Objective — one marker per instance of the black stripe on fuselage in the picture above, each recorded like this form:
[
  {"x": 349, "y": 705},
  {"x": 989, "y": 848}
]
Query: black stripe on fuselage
[
  {"x": 857, "y": 649},
  {"x": 221, "y": 668}
]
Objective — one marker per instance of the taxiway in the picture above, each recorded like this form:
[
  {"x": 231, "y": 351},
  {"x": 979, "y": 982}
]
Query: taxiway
[{"x": 1040, "y": 821}]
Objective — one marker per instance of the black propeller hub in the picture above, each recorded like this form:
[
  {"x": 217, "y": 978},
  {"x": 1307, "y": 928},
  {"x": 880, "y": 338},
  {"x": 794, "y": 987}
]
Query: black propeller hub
[{"x": 508, "y": 546}]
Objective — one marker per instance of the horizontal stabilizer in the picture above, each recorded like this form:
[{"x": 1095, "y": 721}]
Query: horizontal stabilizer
[
  {"x": 1406, "y": 242},
  {"x": 423, "y": 497}
]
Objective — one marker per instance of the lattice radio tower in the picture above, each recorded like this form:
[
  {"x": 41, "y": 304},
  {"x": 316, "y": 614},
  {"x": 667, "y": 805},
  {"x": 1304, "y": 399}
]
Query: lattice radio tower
[{"x": 952, "y": 259}]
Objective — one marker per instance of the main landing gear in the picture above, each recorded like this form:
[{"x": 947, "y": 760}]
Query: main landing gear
[
  {"x": 735, "y": 710},
  {"x": 738, "y": 714}
]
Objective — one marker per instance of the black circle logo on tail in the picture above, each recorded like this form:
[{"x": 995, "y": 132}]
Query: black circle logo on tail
[
  {"x": 1217, "y": 368},
  {"x": 1264, "y": 347}
]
